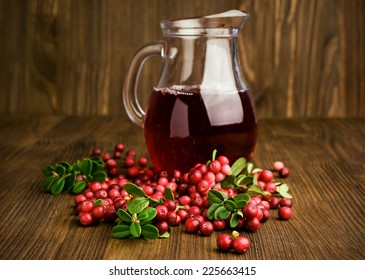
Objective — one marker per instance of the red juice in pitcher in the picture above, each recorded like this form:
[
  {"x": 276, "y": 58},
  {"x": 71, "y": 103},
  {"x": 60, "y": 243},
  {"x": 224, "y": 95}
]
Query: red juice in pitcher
[{"x": 183, "y": 127}]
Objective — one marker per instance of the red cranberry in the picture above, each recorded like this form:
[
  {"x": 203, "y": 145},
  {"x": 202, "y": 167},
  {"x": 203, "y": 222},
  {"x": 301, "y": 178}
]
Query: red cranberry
[
  {"x": 195, "y": 210},
  {"x": 111, "y": 163},
  {"x": 87, "y": 206},
  {"x": 116, "y": 155},
  {"x": 110, "y": 215},
  {"x": 224, "y": 242},
  {"x": 119, "y": 147},
  {"x": 161, "y": 212},
  {"x": 100, "y": 194},
  {"x": 118, "y": 203},
  {"x": 215, "y": 166},
  {"x": 86, "y": 219},
  {"x": 252, "y": 224},
  {"x": 170, "y": 204},
  {"x": 203, "y": 187},
  {"x": 286, "y": 202},
  {"x": 105, "y": 157},
  {"x": 185, "y": 200},
  {"x": 131, "y": 153},
  {"x": 223, "y": 160},
  {"x": 250, "y": 210},
  {"x": 171, "y": 218},
  {"x": 260, "y": 214},
  {"x": 277, "y": 165},
  {"x": 96, "y": 152},
  {"x": 162, "y": 227},
  {"x": 195, "y": 177},
  {"x": 99, "y": 212},
  {"x": 240, "y": 244},
  {"x": 132, "y": 171},
  {"x": 148, "y": 190},
  {"x": 142, "y": 161},
  {"x": 206, "y": 228},
  {"x": 209, "y": 177},
  {"x": 270, "y": 187},
  {"x": 95, "y": 186},
  {"x": 219, "y": 177},
  {"x": 79, "y": 198},
  {"x": 226, "y": 169},
  {"x": 285, "y": 213},
  {"x": 266, "y": 176},
  {"x": 129, "y": 161},
  {"x": 284, "y": 172},
  {"x": 182, "y": 213},
  {"x": 219, "y": 225},
  {"x": 266, "y": 215},
  {"x": 274, "y": 202},
  {"x": 192, "y": 225}
]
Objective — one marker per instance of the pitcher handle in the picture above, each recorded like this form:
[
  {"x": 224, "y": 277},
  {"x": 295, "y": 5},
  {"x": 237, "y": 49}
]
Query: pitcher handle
[{"x": 130, "y": 94}]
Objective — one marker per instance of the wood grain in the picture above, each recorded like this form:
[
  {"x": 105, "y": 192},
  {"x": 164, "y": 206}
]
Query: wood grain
[
  {"x": 300, "y": 58},
  {"x": 326, "y": 158}
]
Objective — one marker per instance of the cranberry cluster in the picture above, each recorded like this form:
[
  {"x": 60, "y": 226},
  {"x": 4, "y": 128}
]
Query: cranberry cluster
[{"x": 101, "y": 201}]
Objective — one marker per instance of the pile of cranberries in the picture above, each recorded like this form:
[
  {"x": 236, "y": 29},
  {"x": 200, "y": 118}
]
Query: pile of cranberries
[{"x": 100, "y": 201}]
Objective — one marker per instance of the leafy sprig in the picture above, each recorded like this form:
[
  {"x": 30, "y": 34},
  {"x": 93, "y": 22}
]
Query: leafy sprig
[
  {"x": 243, "y": 180},
  {"x": 222, "y": 207},
  {"x": 73, "y": 177},
  {"x": 138, "y": 220}
]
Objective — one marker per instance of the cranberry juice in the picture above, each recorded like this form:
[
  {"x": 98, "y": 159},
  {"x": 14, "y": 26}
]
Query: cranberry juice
[{"x": 183, "y": 127}]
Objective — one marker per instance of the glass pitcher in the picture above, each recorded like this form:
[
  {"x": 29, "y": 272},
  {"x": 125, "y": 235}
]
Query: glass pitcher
[{"x": 201, "y": 101}]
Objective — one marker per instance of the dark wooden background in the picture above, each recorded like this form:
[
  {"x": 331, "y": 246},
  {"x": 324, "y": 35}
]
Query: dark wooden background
[{"x": 300, "y": 58}]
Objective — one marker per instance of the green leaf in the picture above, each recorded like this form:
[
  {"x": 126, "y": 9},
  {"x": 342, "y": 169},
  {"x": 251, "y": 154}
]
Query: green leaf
[
  {"x": 215, "y": 196},
  {"x": 244, "y": 180},
  {"x": 98, "y": 176},
  {"x": 124, "y": 216},
  {"x": 150, "y": 232},
  {"x": 165, "y": 235},
  {"x": 79, "y": 187},
  {"x": 70, "y": 180},
  {"x": 95, "y": 166},
  {"x": 60, "y": 170},
  {"x": 228, "y": 181},
  {"x": 98, "y": 202},
  {"x": 121, "y": 231},
  {"x": 66, "y": 165},
  {"x": 137, "y": 205},
  {"x": 234, "y": 220},
  {"x": 249, "y": 168},
  {"x": 238, "y": 166},
  {"x": 86, "y": 167},
  {"x": 134, "y": 190},
  {"x": 48, "y": 171},
  {"x": 212, "y": 209},
  {"x": 48, "y": 182},
  {"x": 242, "y": 199},
  {"x": 135, "y": 230},
  {"x": 168, "y": 194},
  {"x": 150, "y": 214},
  {"x": 283, "y": 189},
  {"x": 57, "y": 186},
  {"x": 230, "y": 205},
  {"x": 221, "y": 213},
  {"x": 256, "y": 170},
  {"x": 256, "y": 190}
]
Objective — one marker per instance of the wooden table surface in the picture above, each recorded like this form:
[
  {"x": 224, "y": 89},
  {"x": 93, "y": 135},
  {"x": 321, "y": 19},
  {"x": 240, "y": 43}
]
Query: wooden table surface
[{"x": 326, "y": 158}]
